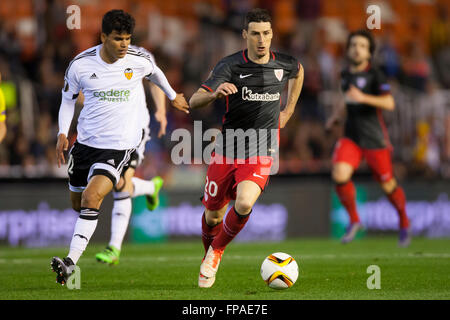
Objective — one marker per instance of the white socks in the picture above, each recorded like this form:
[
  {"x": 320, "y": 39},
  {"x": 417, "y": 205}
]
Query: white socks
[
  {"x": 87, "y": 221},
  {"x": 84, "y": 229},
  {"x": 142, "y": 187},
  {"x": 120, "y": 218}
]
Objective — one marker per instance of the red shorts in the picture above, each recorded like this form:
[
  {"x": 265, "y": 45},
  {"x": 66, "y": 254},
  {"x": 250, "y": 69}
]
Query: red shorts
[
  {"x": 378, "y": 160},
  {"x": 224, "y": 175}
]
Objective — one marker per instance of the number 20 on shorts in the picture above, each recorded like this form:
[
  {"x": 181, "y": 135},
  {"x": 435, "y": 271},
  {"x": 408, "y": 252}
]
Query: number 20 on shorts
[{"x": 211, "y": 187}]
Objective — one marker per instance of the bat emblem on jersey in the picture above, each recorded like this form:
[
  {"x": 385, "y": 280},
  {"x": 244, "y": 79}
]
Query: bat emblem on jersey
[
  {"x": 128, "y": 73},
  {"x": 361, "y": 82},
  {"x": 278, "y": 74}
]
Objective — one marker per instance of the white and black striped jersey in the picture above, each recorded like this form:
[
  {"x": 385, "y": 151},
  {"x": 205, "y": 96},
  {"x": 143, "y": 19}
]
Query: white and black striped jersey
[{"x": 112, "y": 114}]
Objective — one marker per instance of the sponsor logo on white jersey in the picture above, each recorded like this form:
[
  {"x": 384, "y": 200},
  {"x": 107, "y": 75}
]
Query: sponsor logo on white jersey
[{"x": 112, "y": 95}]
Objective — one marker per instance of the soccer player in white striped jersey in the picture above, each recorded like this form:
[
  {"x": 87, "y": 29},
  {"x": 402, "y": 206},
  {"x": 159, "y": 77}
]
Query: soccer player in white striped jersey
[
  {"x": 130, "y": 186},
  {"x": 110, "y": 77}
]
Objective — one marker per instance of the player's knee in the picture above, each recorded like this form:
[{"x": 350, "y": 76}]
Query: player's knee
[
  {"x": 91, "y": 198},
  {"x": 120, "y": 185},
  {"x": 213, "y": 220},
  {"x": 389, "y": 186},
  {"x": 243, "y": 207},
  {"x": 340, "y": 174}
]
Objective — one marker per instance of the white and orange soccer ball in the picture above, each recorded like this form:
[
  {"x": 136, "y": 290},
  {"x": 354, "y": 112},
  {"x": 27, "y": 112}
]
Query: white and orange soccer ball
[{"x": 279, "y": 270}]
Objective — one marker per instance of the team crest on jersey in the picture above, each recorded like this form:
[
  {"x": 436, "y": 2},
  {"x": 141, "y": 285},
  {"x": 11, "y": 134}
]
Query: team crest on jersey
[
  {"x": 278, "y": 74},
  {"x": 361, "y": 82},
  {"x": 128, "y": 73}
]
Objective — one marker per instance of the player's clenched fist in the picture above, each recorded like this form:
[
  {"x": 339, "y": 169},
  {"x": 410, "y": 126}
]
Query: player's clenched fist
[
  {"x": 180, "y": 103},
  {"x": 225, "y": 89}
]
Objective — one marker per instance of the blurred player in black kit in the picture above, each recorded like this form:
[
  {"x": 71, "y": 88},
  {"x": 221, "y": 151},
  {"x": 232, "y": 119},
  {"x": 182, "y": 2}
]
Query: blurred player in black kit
[{"x": 366, "y": 94}]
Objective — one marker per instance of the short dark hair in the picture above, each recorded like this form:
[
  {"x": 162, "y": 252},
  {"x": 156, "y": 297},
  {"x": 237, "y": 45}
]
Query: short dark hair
[
  {"x": 119, "y": 21},
  {"x": 257, "y": 15},
  {"x": 363, "y": 33}
]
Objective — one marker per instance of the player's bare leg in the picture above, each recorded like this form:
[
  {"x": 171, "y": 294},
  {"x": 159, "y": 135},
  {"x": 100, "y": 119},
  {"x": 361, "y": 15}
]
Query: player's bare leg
[
  {"x": 120, "y": 217},
  {"x": 342, "y": 173},
  {"x": 91, "y": 199},
  {"x": 127, "y": 188},
  {"x": 396, "y": 196},
  {"x": 75, "y": 199},
  {"x": 246, "y": 195},
  {"x": 149, "y": 188},
  {"x": 62, "y": 266},
  {"x": 211, "y": 226}
]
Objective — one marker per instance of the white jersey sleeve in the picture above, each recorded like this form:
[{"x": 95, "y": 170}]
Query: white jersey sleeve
[
  {"x": 71, "y": 87},
  {"x": 156, "y": 76},
  {"x": 70, "y": 93},
  {"x": 65, "y": 115},
  {"x": 161, "y": 81}
]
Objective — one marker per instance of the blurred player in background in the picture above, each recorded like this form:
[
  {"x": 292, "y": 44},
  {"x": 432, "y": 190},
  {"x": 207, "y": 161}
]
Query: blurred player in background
[
  {"x": 251, "y": 81},
  {"x": 130, "y": 186},
  {"x": 2, "y": 114},
  {"x": 366, "y": 94},
  {"x": 110, "y": 78}
]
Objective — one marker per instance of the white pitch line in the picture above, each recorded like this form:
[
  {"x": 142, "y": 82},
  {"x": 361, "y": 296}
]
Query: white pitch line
[{"x": 298, "y": 257}]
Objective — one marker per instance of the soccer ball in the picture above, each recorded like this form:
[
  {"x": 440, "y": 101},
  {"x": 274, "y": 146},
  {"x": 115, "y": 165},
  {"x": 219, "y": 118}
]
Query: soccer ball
[{"x": 279, "y": 270}]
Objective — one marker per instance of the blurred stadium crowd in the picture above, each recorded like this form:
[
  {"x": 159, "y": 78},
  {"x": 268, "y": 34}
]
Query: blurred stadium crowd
[{"x": 189, "y": 37}]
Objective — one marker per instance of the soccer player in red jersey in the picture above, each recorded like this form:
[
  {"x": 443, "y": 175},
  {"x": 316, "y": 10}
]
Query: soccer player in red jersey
[
  {"x": 366, "y": 94},
  {"x": 251, "y": 81}
]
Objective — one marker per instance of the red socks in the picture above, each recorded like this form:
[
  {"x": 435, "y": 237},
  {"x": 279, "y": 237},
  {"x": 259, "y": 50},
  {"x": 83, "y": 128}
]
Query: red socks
[
  {"x": 209, "y": 233},
  {"x": 347, "y": 194},
  {"x": 398, "y": 200},
  {"x": 233, "y": 224}
]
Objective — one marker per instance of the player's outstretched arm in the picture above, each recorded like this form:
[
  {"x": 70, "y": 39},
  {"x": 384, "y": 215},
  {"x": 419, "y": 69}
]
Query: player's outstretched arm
[
  {"x": 160, "y": 103},
  {"x": 180, "y": 103},
  {"x": 294, "y": 88},
  {"x": 385, "y": 101},
  {"x": 177, "y": 99},
  {"x": 202, "y": 98}
]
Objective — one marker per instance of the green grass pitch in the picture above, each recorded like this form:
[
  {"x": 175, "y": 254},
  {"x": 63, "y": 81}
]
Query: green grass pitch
[{"x": 328, "y": 270}]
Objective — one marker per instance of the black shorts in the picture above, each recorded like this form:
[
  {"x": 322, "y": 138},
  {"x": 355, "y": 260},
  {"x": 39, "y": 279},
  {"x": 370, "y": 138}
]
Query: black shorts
[
  {"x": 138, "y": 154},
  {"x": 86, "y": 162}
]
